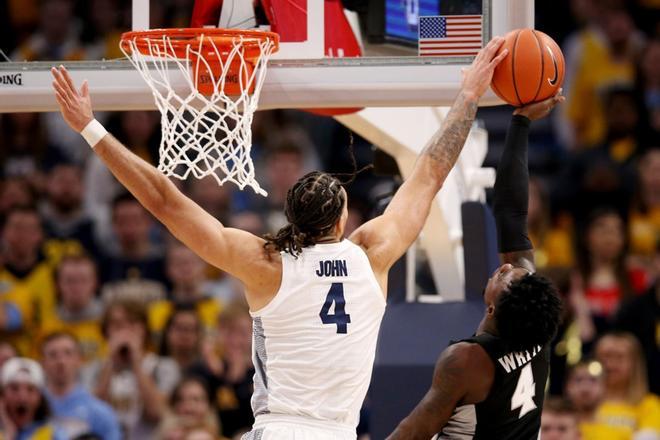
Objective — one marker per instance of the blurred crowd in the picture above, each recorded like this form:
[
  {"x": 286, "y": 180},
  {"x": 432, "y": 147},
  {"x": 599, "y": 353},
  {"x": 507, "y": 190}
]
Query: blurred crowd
[
  {"x": 110, "y": 328},
  {"x": 594, "y": 218}
]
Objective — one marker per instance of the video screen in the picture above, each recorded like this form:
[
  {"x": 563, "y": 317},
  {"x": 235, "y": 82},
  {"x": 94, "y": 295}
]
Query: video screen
[{"x": 402, "y": 16}]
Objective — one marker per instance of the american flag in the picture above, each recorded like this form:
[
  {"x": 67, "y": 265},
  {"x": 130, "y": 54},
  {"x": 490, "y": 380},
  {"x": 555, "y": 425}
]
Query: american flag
[{"x": 450, "y": 35}]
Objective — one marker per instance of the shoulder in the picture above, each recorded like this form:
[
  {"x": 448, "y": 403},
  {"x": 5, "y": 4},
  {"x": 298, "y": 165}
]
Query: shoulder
[
  {"x": 648, "y": 413},
  {"x": 650, "y": 403},
  {"x": 164, "y": 363},
  {"x": 58, "y": 434},
  {"x": 99, "y": 409},
  {"x": 465, "y": 355},
  {"x": 104, "y": 417},
  {"x": 469, "y": 367},
  {"x": 372, "y": 237}
]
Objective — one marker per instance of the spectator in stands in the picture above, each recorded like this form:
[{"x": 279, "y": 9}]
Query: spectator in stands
[
  {"x": 623, "y": 124},
  {"x": 588, "y": 181},
  {"x": 190, "y": 407},
  {"x": 230, "y": 374},
  {"x": 102, "y": 33},
  {"x": 605, "y": 55},
  {"x": 186, "y": 273},
  {"x": 639, "y": 316},
  {"x": 75, "y": 410},
  {"x": 558, "y": 421},
  {"x": 357, "y": 214},
  {"x": 134, "y": 255},
  {"x": 68, "y": 228},
  {"x": 7, "y": 351},
  {"x": 140, "y": 130},
  {"x": 133, "y": 380},
  {"x": 183, "y": 337},
  {"x": 215, "y": 199},
  {"x": 565, "y": 349},
  {"x": 23, "y": 145},
  {"x": 201, "y": 433},
  {"x": 57, "y": 37},
  {"x": 23, "y": 17},
  {"x": 644, "y": 228},
  {"x": 284, "y": 163},
  {"x": 584, "y": 390},
  {"x": 627, "y": 408},
  {"x": 16, "y": 316},
  {"x": 603, "y": 279},
  {"x": 249, "y": 221},
  {"x": 78, "y": 310},
  {"x": 24, "y": 410},
  {"x": 649, "y": 82},
  {"x": 15, "y": 192},
  {"x": 552, "y": 244},
  {"x": 25, "y": 267}
]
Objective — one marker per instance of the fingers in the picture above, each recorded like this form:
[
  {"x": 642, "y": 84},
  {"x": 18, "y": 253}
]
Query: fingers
[
  {"x": 68, "y": 80},
  {"x": 489, "y": 51},
  {"x": 60, "y": 93},
  {"x": 84, "y": 89},
  {"x": 498, "y": 59},
  {"x": 552, "y": 101},
  {"x": 63, "y": 79},
  {"x": 60, "y": 100},
  {"x": 59, "y": 79},
  {"x": 62, "y": 88}
]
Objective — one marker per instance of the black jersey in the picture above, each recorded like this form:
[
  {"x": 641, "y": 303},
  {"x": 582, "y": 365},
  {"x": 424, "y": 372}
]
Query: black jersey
[{"x": 512, "y": 410}]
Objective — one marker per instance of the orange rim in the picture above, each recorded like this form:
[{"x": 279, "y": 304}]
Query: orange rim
[{"x": 216, "y": 41}]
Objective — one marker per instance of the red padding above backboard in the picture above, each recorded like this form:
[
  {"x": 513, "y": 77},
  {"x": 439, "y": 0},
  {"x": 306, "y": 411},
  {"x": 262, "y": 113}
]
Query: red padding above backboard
[
  {"x": 287, "y": 18},
  {"x": 206, "y": 13}
]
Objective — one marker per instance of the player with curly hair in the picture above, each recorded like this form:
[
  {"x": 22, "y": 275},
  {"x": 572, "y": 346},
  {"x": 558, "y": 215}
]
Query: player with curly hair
[{"x": 491, "y": 386}]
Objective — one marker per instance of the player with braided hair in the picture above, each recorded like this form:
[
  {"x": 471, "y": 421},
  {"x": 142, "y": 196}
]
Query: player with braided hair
[
  {"x": 313, "y": 206},
  {"x": 316, "y": 299}
]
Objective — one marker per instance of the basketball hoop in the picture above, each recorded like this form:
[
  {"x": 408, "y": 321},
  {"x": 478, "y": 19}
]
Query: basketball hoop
[{"x": 206, "y": 126}]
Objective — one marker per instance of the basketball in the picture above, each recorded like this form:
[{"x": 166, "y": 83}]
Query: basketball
[{"x": 532, "y": 71}]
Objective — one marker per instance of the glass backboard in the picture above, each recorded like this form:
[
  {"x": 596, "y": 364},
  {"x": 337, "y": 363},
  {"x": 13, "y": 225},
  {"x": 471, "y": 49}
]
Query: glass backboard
[{"x": 364, "y": 55}]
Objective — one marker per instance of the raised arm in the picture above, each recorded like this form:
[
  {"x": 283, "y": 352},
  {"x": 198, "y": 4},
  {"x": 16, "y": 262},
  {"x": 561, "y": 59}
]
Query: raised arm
[
  {"x": 387, "y": 237},
  {"x": 235, "y": 251},
  {"x": 511, "y": 194},
  {"x": 459, "y": 378}
]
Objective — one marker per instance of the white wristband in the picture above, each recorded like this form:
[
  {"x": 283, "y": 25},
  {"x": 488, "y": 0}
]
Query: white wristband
[{"x": 93, "y": 132}]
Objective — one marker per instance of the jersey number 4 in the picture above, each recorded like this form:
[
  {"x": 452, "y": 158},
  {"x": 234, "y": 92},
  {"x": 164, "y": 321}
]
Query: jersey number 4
[
  {"x": 523, "y": 396},
  {"x": 340, "y": 318}
]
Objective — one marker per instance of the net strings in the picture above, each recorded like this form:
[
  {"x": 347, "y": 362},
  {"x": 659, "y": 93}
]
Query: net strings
[{"x": 204, "y": 135}]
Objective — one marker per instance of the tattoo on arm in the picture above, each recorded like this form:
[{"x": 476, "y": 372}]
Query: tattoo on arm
[{"x": 446, "y": 145}]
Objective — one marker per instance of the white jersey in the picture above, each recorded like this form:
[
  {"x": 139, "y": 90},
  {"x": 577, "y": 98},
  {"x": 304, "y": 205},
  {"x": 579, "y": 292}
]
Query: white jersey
[{"x": 314, "y": 344}]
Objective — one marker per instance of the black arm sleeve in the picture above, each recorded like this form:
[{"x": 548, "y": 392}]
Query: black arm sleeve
[{"x": 512, "y": 189}]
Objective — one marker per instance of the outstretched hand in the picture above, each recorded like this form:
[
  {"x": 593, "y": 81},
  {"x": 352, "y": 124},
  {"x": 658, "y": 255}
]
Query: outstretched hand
[
  {"x": 539, "y": 110},
  {"x": 75, "y": 105},
  {"x": 477, "y": 77}
]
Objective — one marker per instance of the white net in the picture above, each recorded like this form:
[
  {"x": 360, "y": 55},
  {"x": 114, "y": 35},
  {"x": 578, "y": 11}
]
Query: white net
[{"x": 204, "y": 133}]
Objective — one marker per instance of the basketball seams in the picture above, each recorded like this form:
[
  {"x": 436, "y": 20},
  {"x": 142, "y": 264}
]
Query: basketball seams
[
  {"x": 542, "y": 76},
  {"x": 513, "y": 66},
  {"x": 526, "y": 66}
]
